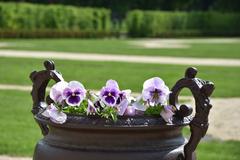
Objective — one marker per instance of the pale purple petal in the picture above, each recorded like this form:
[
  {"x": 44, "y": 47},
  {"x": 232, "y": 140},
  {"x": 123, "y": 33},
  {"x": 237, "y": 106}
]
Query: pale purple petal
[
  {"x": 122, "y": 107},
  {"x": 155, "y": 82},
  {"x": 167, "y": 113},
  {"x": 58, "y": 117},
  {"x": 75, "y": 85},
  {"x": 57, "y": 90},
  {"x": 146, "y": 95},
  {"x": 112, "y": 84},
  {"x": 91, "y": 108},
  {"x": 54, "y": 114},
  {"x": 127, "y": 95},
  {"x": 130, "y": 111}
]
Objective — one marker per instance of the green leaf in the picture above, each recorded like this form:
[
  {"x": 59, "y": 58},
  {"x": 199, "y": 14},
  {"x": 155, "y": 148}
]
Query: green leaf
[
  {"x": 80, "y": 110},
  {"x": 109, "y": 113},
  {"x": 153, "y": 111}
]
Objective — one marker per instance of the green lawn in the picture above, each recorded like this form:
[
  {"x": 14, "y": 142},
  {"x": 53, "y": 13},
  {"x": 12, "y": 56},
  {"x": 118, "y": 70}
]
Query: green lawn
[
  {"x": 19, "y": 132},
  {"x": 129, "y": 75},
  {"x": 116, "y": 46}
]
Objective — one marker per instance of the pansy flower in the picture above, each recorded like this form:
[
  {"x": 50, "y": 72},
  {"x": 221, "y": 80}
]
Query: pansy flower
[
  {"x": 54, "y": 114},
  {"x": 155, "y": 91},
  {"x": 123, "y": 101},
  {"x": 74, "y": 93},
  {"x": 109, "y": 94},
  {"x": 57, "y": 90}
]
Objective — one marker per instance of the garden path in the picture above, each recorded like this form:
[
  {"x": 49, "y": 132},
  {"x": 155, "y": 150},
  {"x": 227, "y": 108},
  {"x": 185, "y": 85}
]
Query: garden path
[
  {"x": 121, "y": 58},
  {"x": 14, "y": 158}
]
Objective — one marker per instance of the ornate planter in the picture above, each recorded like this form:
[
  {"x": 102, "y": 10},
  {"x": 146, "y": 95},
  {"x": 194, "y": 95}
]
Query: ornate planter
[{"x": 138, "y": 137}]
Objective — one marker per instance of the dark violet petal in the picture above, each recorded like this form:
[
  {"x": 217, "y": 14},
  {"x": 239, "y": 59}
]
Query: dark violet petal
[
  {"x": 119, "y": 100},
  {"x": 105, "y": 93},
  {"x": 67, "y": 92},
  {"x": 110, "y": 100},
  {"x": 77, "y": 92},
  {"x": 73, "y": 100}
]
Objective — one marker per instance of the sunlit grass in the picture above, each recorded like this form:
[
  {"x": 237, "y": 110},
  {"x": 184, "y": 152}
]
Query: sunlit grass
[
  {"x": 129, "y": 75},
  {"x": 125, "y": 46}
]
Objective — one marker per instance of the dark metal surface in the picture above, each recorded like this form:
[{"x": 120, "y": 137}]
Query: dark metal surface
[
  {"x": 139, "y": 137},
  {"x": 40, "y": 81},
  {"x": 201, "y": 90}
]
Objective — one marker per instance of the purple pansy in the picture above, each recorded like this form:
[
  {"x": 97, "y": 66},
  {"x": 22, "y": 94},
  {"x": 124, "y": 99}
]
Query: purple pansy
[
  {"x": 110, "y": 93},
  {"x": 130, "y": 111},
  {"x": 57, "y": 90},
  {"x": 91, "y": 109},
  {"x": 54, "y": 114},
  {"x": 74, "y": 93},
  {"x": 155, "y": 91},
  {"x": 167, "y": 113},
  {"x": 123, "y": 101}
]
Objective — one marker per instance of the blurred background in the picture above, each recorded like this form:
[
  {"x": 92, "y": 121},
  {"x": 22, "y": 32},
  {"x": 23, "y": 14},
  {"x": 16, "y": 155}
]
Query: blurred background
[{"x": 127, "y": 40}]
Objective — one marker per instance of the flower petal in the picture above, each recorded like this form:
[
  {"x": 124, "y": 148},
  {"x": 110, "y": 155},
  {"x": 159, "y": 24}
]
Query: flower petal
[
  {"x": 167, "y": 113},
  {"x": 58, "y": 117},
  {"x": 110, "y": 100},
  {"x": 91, "y": 108},
  {"x": 112, "y": 84},
  {"x": 139, "y": 106},
  {"x": 67, "y": 92},
  {"x": 74, "y": 100},
  {"x": 155, "y": 82},
  {"x": 75, "y": 85},
  {"x": 130, "y": 111},
  {"x": 122, "y": 107},
  {"x": 57, "y": 90}
]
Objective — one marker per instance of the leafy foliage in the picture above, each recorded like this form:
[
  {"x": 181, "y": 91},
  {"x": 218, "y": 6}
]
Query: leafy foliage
[
  {"x": 21, "y": 17},
  {"x": 109, "y": 113},
  {"x": 159, "y": 23},
  {"x": 81, "y": 110},
  {"x": 153, "y": 111}
]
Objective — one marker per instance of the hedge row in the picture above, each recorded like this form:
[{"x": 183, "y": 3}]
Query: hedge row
[
  {"x": 158, "y": 23},
  {"x": 28, "y": 17},
  {"x": 31, "y": 20}
]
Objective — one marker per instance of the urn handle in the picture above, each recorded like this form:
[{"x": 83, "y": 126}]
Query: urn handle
[
  {"x": 40, "y": 81},
  {"x": 201, "y": 90}
]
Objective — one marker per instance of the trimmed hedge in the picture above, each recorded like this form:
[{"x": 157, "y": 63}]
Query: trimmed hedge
[
  {"x": 25, "y": 20},
  {"x": 168, "y": 24},
  {"x": 20, "y": 18}
]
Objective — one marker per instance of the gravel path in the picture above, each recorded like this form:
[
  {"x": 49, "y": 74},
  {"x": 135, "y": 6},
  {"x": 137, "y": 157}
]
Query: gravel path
[
  {"x": 14, "y": 158},
  {"x": 121, "y": 58},
  {"x": 173, "y": 43}
]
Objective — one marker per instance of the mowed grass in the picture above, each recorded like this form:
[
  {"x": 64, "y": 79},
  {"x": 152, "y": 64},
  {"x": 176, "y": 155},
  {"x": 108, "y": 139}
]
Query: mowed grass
[
  {"x": 19, "y": 132},
  {"x": 125, "y": 46},
  {"x": 129, "y": 75}
]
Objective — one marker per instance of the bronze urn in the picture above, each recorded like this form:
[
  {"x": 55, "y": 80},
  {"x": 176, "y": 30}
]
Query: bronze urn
[{"x": 136, "y": 137}]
